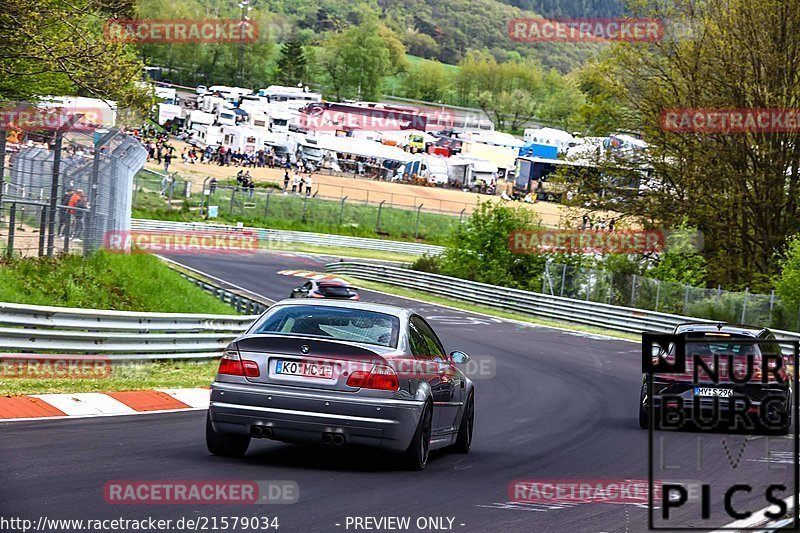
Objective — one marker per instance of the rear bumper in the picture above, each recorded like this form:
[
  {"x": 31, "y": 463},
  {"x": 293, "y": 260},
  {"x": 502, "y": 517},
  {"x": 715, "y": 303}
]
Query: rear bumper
[{"x": 303, "y": 416}]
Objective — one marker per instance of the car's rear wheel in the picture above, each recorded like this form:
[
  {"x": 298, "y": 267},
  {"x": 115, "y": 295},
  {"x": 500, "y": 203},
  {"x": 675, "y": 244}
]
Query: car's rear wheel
[
  {"x": 225, "y": 444},
  {"x": 416, "y": 455},
  {"x": 464, "y": 440}
]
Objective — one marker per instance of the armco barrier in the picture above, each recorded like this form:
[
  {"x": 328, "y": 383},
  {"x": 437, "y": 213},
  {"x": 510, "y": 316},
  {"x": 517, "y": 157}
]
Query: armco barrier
[
  {"x": 556, "y": 308},
  {"x": 119, "y": 335},
  {"x": 273, "y": 238}
]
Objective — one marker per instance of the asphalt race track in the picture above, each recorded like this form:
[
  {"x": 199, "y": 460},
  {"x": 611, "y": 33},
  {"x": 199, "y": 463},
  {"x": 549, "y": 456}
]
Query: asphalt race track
[{"x": 561, "y": 406}]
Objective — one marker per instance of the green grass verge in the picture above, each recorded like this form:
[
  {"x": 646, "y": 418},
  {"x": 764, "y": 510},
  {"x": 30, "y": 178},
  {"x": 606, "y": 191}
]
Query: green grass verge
[
  {"x": 288, "y": 212},
  {"x": 419, "y": 295},
  {"x": 345, "y": 253},
  {"x": 105, "y": 280},
  {"x": 123, "y": 377}
]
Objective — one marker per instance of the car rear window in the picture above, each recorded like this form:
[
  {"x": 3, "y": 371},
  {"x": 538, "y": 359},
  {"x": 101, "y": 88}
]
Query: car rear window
[
  {"x": 335, "y": 290},
  {"x": 339, "y": 323}
]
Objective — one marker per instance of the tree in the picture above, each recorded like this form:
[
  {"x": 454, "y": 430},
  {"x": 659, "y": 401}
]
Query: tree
[
  {"x": 57, "y": 47},
  {"x": 479, "y": 249},
  {"x": 357, "y": 60},
  {"x": 292, "y": 65},
  {"x": 787, "y": 285},
  {"x": 742, "y": 190},
  {"x": 427, "y": 80}
]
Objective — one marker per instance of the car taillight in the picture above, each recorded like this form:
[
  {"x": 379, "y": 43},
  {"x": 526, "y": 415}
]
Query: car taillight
[
  {"x": 232, "y": 365},
  {"x": 380, "y": 377}
]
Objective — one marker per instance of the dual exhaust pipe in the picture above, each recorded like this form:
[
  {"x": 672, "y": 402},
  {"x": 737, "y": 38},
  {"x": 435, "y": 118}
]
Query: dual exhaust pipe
[
  {"x": 266, "y": 432},
  {"x": 261, "y": 432},
  {"x": 333, "y": 439}
]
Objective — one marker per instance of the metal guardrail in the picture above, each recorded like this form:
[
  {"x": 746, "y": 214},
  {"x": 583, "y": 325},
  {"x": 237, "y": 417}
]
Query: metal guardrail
[
  {"x": 276, "y": 239},
  {"x": 119, "y": 335},
  {"x": 625, "y": 319},
  {"x": 241, "y": 303}
]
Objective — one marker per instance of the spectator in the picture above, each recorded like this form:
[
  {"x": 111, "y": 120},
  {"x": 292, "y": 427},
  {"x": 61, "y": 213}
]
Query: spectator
[
  {"x": 585, "y": 222},
  {"x": 611, "y": 224},
  {"x": 73, "y": 202},
  {"x": 167, "y": 160},
  {"x": 285, "y": 180},
  {"x": 65, "y": 202},
  {"x": 308, "y": 183},
  {"x": 213, "y": 185},
  {"x": 81, "y": 204},
  {"x": 251, "y": 186},
  {"x": 296, "y": 183}
]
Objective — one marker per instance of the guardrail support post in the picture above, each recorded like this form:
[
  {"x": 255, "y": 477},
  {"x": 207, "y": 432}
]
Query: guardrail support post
[
  {"x": 416, "y": 230},
  {"x": 380, "y": 206},
  {"x": 563, "y": 278},
  {"x": 341, "y": 211},
  {"x": 633, "y": 290}
]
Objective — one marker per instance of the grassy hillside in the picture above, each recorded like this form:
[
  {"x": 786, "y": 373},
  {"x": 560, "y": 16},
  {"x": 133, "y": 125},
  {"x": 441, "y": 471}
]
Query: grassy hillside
[{"x": 125, "y": 282}]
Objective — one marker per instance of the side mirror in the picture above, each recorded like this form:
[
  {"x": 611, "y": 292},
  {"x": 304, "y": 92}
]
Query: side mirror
[
  {"x": 296, "y": 289},
  {"x": 459, "y": 358}
]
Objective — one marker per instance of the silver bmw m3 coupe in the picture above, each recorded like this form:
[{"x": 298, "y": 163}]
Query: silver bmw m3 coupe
[{"x": 341, "y": 373}]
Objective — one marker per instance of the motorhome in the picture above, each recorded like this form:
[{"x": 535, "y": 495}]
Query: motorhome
[
  {"x": 198, "y": 118},
  {"x": 168, "y": 112},
  {"x": 245, "y": 138},
  {"x": 297, "y": 97},
  {"x": 208, "y": 136},
  {"x": 279, "y": 121},
  {"x": 554, "y": 137},
  {"x": 226, "y": 117},
  {"x": 94, "y": 110},
  {"x": 168, "y": 95}
]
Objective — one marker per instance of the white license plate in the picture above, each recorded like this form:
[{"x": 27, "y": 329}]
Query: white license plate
[
  {"x": 306, "y": 369},
  {"x": 713, "y": 391}
]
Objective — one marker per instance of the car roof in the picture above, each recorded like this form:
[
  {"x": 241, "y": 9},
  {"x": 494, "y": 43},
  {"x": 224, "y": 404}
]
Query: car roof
[
  {"x": 721, "y": 327},
  {"x": 350, "y": 304},
  {"x": 331, "y": 283}
]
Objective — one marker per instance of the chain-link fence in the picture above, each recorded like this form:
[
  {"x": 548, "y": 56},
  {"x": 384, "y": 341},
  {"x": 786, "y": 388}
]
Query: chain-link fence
[
  {"x": 171, "y": 197},
  {"x": 64, "y": 191},
  {"x": 640, "y": 292}
]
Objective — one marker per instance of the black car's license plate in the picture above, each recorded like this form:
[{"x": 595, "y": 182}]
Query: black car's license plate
[{"x": 713, "y": 391}]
